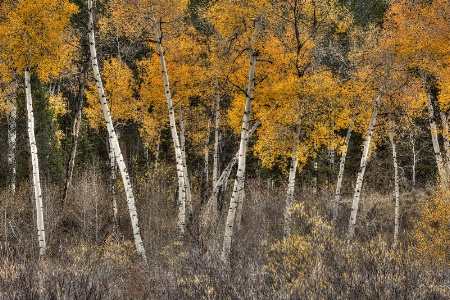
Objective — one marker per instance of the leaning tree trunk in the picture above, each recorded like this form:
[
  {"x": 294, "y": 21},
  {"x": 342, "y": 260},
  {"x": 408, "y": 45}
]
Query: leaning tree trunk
[
  {"x": 396, "y": 188},
  {"x": 35, "y": 166},
  {"x": 12, "y": 137},
  {"x": 75, "y": 132},
  {"x": 240, "y": 176},
  {"x": 114, "y": 141},
  {"x": 291, "y": 186},
  {"x": 337, "y": 194},
  {"x": 362, "y": 169},
  {"x": 182, "y": 188},
  {"x": 209, "y": 214},
  {"x": 433, "y": 128},
  {"x": 445, "y": 132}
]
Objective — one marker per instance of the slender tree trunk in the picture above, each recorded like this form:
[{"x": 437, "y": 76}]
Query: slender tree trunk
[
  {"x": 316, "y": 171},
  {"x": 209, "y": 214},
  {"x": 291, "y": 186},
  {"x": 240, "y": 176},
  {"x": 413, "y": 147},
  {"x": 115, "y": 142},
  {"x": 362, "y": 169},
  {"x": 173, "y": 129},
  {"x": 216, "y": 136},
  {"x": 12, "y": 137},
  {"x": 206, "y": 150},
  {"x": 445, "y": 132},
  {"x": 185, "y": 171},
  {"x": 75, "y": 132},
  {"x": 396, "y": 188},
  {"x": 112, "y": 180},
  {"x": 434, "y": 136},
  {"x": 157, "y": 150},
  {"x": 35, "y": 167},
  {"x": 337, "y": 194}
]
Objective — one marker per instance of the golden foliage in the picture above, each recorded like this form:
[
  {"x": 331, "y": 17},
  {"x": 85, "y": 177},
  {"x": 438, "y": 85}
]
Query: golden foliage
[
  {"x": 433, "y": 230},
  {"x": 34, "y": 35},
  {"x": 119, "y": 88}
]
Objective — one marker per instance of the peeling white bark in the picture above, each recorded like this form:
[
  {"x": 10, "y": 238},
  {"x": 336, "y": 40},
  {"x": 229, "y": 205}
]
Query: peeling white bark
[
  {"x": 114, "y": 141},
  {"x": 240, "y": 176},
  {"x": 35, "y": 166},
  {"x": 362, "y": 169}
]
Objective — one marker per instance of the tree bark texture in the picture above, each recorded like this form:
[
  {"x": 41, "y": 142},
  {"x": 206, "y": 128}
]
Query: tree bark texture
[
  {"x": 178, "y": 153},
  {"x": 114, "y": 141},
  {"x": 362, "y": 169},
  {"x": 35, "y": 166},
  {"x": 240, "y": 176}
]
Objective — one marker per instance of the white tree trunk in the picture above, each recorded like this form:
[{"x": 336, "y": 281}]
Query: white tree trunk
[
  {"x": 396, "y": 189},
  {"x": 240, "y": 176},
  {"x": 35, "y": 166},
  {"x": 445, "y": 132},
  {"x": 413, "y": 147},
  {"x": 173, "y": 129},
  {"x": 115, "y": 142},
  {"x": 12, "y": 137},
  {"x": 185, "y": 171},
  {"x": 362, "y": 169},
  {"x": 315, "y": 167},
  {"x": 216, "y": 137},
  {"x": 291, "y": 186},
  {"x": 112, "y": 180},
  {"x": 337, "y": 194},
  {"x": 434, "y": 134},
  {"x": 207, "y": 153}
]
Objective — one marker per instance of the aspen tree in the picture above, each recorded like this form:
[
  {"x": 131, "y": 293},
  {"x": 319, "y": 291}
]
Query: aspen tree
[
  {"x": 362, "y": 168},
  {"x": 115, "y": 143},
  {"x": 32, "y": 34}
]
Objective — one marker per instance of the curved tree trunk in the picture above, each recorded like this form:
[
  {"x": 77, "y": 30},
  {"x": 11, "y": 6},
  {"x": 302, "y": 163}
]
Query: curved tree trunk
[
  {"x": 35, "y": 166},
  {"x": 362, "y": 169},
  {"x": 114, "y": 141},
  {"x": 182, "y": 188},
  {"x": 433, "y": 128},
  {"x": 337, "y": 194},
  {"x": 240, "y": 176}
]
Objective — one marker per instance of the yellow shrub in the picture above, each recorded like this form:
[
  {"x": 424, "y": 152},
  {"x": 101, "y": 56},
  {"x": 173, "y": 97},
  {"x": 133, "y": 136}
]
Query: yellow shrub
[{"x": 433, "y": 230}]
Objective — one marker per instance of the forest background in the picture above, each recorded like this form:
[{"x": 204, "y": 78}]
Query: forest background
[{"x": 201, "y": 149}]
